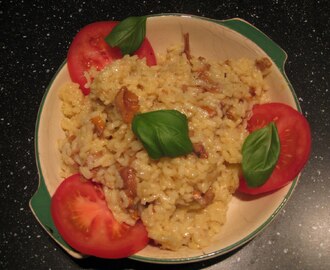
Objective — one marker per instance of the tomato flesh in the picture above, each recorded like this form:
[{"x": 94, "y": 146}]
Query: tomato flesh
[
  {"x": 295, "y": 139},
  {"x": 83, "y": 219},
  {"x": 89, "y": 49}
]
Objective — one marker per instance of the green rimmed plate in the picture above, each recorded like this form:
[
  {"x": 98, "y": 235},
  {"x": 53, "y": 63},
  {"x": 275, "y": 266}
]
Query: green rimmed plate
[{"x": 211, "y": 39}]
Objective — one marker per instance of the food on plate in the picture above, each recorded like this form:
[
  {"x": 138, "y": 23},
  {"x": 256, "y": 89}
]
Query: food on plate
[
  {"x": 295, "y": 144},
  {"x": 84, "y": 220},
  {"x": 157, "y": 151},
  {"x": 181, "y": 201},
  {"x": 89, "y": 50}
]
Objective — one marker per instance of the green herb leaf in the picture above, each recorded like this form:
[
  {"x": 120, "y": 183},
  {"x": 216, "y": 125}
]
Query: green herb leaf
[
  {"x": 261, "y": 150},
  {"x": 128, "y": 35},
  {"x": 163, "y": 133}
]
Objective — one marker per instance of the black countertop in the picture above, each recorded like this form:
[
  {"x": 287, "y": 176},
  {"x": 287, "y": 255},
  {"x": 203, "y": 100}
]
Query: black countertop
[{"x": 34, "y": 40}]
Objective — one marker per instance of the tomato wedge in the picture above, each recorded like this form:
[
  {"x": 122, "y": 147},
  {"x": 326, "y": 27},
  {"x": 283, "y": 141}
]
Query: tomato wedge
[
  {"x": 88, "y": 49},
  {"x": 295, "y": 139},
  {"x": 83, "y": 219}
]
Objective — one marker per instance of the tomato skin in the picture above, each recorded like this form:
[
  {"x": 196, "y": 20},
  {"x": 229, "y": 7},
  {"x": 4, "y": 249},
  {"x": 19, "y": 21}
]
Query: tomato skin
[
  {"x": 295, "y": 139},
  {"x": 89, "y": 49},
  {"x": 83, "y": 219}
]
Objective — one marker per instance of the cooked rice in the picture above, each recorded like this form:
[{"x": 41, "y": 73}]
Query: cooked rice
[{"x": 216, "y": 97}]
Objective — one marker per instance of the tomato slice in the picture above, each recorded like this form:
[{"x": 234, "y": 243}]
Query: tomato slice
[
  {"x": 83, "y": 219},
  {"x": 295, "y": 139},
  {"x": 88, "y": 49}
]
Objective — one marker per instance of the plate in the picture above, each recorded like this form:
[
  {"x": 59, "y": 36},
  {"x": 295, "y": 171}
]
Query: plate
[{"x": 212, "y": 39}]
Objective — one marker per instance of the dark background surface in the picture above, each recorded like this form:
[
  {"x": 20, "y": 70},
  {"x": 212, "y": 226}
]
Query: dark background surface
[{"x": 34, "y": 40}]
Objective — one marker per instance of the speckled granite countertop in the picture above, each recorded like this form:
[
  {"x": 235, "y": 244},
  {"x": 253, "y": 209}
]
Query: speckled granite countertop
[{"x": 34, "y": 39}]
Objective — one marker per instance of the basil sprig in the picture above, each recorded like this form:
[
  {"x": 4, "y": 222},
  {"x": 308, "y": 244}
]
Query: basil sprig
[
  {"x": 260, "y": 151},
  {"x": 163, "y": 133},
  {"x": 128, "y": 35}
]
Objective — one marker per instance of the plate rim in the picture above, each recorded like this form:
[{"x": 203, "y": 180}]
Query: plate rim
[{"x": 241, "y": 27}]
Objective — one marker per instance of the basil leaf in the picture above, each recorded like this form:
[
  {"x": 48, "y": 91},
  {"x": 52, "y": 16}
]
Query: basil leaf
[
  {"x": 128, "y": 35},
  {"x": 163, "y": 133},
  {"x": 261, "y": 150}
]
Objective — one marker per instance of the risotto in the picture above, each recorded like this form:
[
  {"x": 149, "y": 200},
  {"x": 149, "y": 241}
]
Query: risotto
[{"x": 182, "y": 201}]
